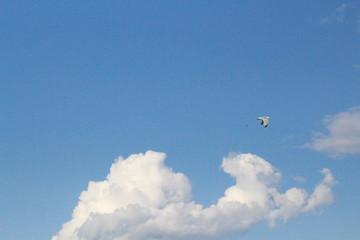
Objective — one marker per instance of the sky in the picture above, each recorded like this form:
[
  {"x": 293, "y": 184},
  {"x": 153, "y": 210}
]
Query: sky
[{"x": 131, "y": 120}]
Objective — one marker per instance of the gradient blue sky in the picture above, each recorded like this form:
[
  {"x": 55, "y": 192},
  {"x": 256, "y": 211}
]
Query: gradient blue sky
[{"x": 83, "y": 82}]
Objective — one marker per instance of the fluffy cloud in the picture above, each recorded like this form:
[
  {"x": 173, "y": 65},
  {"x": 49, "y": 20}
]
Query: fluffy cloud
[
  {"x": 142, "y": 199},
  {"x": 343, "y": 134}
]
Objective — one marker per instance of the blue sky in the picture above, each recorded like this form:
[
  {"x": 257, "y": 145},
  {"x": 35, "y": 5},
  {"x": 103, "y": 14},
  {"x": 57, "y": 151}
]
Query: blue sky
[{"x": 82, "y": 83}]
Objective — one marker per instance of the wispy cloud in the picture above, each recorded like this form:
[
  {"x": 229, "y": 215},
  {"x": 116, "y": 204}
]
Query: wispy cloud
[
  {"x": 343, "y": 135},
  {"x": 336, "y": 17},
  {"x": 299, "y": 179},
  {"x": 143, "y": 199}
]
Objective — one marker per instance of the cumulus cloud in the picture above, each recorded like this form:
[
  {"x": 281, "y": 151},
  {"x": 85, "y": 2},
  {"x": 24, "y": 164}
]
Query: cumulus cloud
[
  {"x": 143, "y": 199},
  {"x": 343, "y": 135}
]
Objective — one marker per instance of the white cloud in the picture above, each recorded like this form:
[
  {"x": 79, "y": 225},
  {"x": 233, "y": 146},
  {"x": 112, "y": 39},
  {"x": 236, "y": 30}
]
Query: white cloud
[
  {"x": 299, "y": 179},
  {"x": 343, "y": 134},
  {"x": 142, "y": 199},
  {"x": 336, "y": 17}
]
